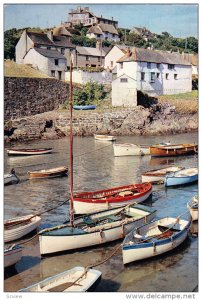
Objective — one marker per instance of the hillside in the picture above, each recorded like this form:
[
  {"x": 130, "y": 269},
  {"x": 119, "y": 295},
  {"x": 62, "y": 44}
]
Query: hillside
[{"x": 11, "y": 69}]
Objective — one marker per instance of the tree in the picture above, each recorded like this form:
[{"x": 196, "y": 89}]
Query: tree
[{"x": 10, "y": 41}]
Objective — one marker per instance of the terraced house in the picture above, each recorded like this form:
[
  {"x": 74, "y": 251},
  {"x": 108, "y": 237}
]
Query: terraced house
[
  {"x": 152, "y": 72},
  {"x": 47, "y": 52}
]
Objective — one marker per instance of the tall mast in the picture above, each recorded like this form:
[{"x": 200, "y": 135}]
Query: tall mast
[{"x": 71, "y": 148}]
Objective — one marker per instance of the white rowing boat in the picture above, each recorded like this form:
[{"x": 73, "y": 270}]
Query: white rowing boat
[
  {"x": 154, "y": 239},
  {"x": 127, "y": 150},
  {"x": 158, "y": 175},
  {"x": 18, "y": 227},
  {"x": 104, "y": 137},
  {"x": 12, "y": 255},
  {"x": 193, "y": 208}
]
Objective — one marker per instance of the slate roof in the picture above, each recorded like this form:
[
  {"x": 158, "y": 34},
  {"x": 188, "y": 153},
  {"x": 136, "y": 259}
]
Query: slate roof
[
  {"x": 40, "y": 38},
  {"x": 139, "y": 54},
  {"x": 100, "y": 28},
  {"x": 50, "y": 53},
  {"x": 61, "y": 30},
  {"x": 60, "y": 40},
  {"x": 90, "y": 51}
]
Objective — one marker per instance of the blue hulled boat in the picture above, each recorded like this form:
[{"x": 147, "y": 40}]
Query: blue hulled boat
[
  {"x": 185, "y": 176},
  {"x": 84, "y": 107}
]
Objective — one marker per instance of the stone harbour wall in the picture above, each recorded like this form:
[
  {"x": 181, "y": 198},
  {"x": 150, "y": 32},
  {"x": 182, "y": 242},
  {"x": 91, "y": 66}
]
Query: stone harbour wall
[
  {"x": 134, "y": 121},
  {"x": 31, "y": 96}
]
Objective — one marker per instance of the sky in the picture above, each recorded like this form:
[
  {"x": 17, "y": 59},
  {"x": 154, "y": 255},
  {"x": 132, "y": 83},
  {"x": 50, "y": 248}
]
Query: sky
[{"x": 180, "y": 20}]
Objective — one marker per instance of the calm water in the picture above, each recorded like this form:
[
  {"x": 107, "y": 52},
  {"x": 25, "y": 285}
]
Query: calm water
[{"x": 95, "y": 167}]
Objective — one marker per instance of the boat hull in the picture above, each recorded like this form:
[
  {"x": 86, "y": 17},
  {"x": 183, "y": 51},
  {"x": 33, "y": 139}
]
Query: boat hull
[
  {"x": 86, "y": 283},
  {"x": 51, "y": 173},
  {"x": 158, "y": 176},
  {"x": 173, "y": 150},
  {"x": 193, "y": 209},
  {"x": 10, "y": 179},
  {"x": 105, "y": 138},
  {"x": 19, "y": 152},
  {"x": 22, "y": 229},
  {"x": 84, "y": 107},
  {"x": 143, "y": 250},
  {"x": 12, "y": 256},
  {"x": 59, "y": 241},
  {"x": 185, "y": 176},
  {"x": 89, "y": 204},
  {"x": 127, "y": 150}
]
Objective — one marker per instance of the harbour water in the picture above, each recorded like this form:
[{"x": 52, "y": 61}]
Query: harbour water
[{"x": 95, "y": 167}]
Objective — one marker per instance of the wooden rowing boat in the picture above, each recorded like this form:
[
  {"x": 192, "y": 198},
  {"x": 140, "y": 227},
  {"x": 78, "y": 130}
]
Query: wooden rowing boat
[
  {"x": 29, "y": 151},
  {"x": 12, "y": 255},
  {"x": 89, "y": 202},
  {"x": 94, "y": 229},
  {"x": 173, "y": 150},
  {"x": 104, "y": 137},
  {"x": 193, "y": 208},
  {"x": 158, "y": 175},
  {"x": 77, "y": 279},
  {"x": 154, "y": 239},
  {"x": 16, "y": 228},
  {"x": 184, "y": 176},
  {"x": 49, "y": 173}
]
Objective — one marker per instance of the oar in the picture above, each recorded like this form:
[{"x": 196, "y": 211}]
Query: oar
[{"x": 62, "y": 287}]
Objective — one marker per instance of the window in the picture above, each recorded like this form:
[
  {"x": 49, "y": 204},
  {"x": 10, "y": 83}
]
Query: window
[
  {"x": 142, "y": 76},
  {"x": 56, "y": 62},
  {"x": 98, "y": 58},
  {"x": 152, "y": 77},
  {"x": 87, "y": 57},
  {"x": 158, "y": 66},
  {"x": 171, "y": 67},
  {"x": 121, "y": 65},
  {"x": 48, "y": 48},
  {"x": 175, "y": 76},
  {"x": 123, "y": 79},
  {"x": 167, "y": 76},
  {"x": 149, "y": 65},
  {"x": 111, "y": 63},
  {"x": 52, "y": 73},
  {"x": 62, "y": 50},
  {"x": 157, "y": 75}
]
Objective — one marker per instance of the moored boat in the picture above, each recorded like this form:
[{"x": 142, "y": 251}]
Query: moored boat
[
  {"x": 49, "y": 173},
  {"x": 94, "y": 229},
  {"x": 104, "y": 137},
  {"x": 158, "y": 175},
  {"x": 18, "y": 227},
  {"x": 193, "y": 208},
  {"x": 84, "y": 107},
  {"x": 11, "y": 178},
  {"x": 184, "y": 176},
  {"x": 29, "y": 151},
  {"x": 127, "y": 150},
  {"x": 88, "y": 202},
  {"x": 77, "y": 279},
  {"x": 12, "y": 255},
  {"x": 155, "y": 238},
  {"x": 173, "y": 150}
]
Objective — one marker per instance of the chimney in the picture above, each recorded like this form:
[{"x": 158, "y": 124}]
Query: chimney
[
  {"x": 128, "y": 53},
  {"x": 50, "y": 35},
  {"x": 98, "y": 45}
]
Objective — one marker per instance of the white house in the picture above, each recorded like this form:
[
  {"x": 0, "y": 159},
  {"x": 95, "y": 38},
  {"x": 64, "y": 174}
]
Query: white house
[
  {"x": 128, "y": 94},
  {"x": 103, "y": 32},
  {"x": 116, "y": 52},
  {"x": 154, "y": 73},
  {"x": 49, "y": 62}
]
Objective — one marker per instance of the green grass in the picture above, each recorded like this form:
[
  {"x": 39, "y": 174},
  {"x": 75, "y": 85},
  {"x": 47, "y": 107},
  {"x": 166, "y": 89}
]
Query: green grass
[{"x": 184, "y": 103}]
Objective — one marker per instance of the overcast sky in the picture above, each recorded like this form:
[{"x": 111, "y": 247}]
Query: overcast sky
[{"x": 180, "y": 20}]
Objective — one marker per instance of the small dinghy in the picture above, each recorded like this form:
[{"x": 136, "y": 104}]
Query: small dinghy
[
  {"x": 105, "y": 138},
  {"x": 78, "y": 279},
  {"x": 184, "y": 176},
  {"x": 18, "y": 227},
  {"x": 193, "y": 208},
  {"x": 84, "y": 107},
  {"x": 127, "y": 150},
  {"x": 29, "y": 151},
  {"x": 89, "y": 202},
  {"x": 158, "y": 175},
  {"x": 49, "y": 173},
  {"x": 173, "y": 150},
  {"x": 12, "y": 255},
  {"x": 11, "y": 178},
  {"x": 154, "y": 239}
]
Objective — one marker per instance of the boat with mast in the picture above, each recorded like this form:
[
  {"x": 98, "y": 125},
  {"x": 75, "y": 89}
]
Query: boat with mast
[{"x": 94, "y": 229}]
